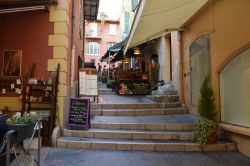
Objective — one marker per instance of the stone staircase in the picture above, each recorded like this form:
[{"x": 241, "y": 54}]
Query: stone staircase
[
  {"x": 103, "y": 90},
  {"x": 139, "y": 127}
]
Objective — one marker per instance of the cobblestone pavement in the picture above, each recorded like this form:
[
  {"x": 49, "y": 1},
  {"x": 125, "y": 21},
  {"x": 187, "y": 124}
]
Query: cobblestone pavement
[{"x": 80, "y": 157}]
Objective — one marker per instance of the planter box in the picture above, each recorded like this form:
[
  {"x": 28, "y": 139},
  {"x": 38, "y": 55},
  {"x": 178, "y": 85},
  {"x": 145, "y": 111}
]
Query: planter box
[{"x": 22, "y": 131}]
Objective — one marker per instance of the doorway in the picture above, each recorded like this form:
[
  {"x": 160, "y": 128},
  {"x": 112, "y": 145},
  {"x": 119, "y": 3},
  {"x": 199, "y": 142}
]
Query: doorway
[{"x": 200, "y": 63}]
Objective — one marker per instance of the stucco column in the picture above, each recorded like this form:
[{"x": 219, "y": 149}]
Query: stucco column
[
  {"x": 176, "y": 61},
  {"x": 164, "y": 59},
  {"x": 60, "y": 43}
]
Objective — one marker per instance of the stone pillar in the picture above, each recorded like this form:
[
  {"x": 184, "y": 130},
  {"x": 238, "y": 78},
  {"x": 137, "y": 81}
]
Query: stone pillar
[
  {"x": 176, "y": 61},
  {"x": 164, "y": 59},
  {"x": 60, "y": 42}
]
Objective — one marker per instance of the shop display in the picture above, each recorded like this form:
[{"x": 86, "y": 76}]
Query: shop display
[
  {"x": 133, "y": 83},
  {"x": 41, "y": 97}
]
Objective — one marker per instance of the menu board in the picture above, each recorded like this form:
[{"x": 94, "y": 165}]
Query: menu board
[
  {"x": 88, "y": 85},
  {"x": 79, "y": 113}
]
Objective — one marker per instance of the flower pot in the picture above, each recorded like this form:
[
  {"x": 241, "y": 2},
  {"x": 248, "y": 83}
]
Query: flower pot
[
  {"x": 213, "y": 137},
  {"x": 23, "y": 131}
]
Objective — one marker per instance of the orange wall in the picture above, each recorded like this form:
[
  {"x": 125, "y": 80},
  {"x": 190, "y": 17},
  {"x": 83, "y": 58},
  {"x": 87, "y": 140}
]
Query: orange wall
[
  {"x": 105, "y": 38},
  {"x": 27, "y": 31},
  {"x": 228, "y": 24}
]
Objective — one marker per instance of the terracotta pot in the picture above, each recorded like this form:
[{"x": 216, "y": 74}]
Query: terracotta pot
[{"x": 213, "y": 137}]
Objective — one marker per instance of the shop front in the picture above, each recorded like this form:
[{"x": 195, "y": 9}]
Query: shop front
[{"x": 211, "y": 37}]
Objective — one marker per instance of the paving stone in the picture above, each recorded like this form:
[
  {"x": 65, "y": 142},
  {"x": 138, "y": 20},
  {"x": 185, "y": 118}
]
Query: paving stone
[
  {"x": 143, "y": 112},
  {"x": 109, "y": 112},
  {"x": 138, "y": 135},
  {"x": 124, "y": 146},
  {"x": 67, "y": 132},
  {"x": 231, "y": 147},
  {"x": 61, "y": 143},
  {"x": 78, "y": 145},
  {"x": 178, "y": 147},
  {"x": 125, "y": 106},
  {"x": 108, "y": 106},
  {"x": 104, "y": 134},
  {"x": 133, "y": 126},
  {"x": 160, "y": 136},
  {"x": 173, "y": 127},
  {"x": 142, "y": 147},
  {"x": 126, "y": 113},
  {"x": 95, "y": 112},
  {"x": 103, "y": 145},
  {"x": 143, "y": 106},
  {"x": 157, "y": 112},
  {"x": 214, "y": 148},
  {"x": 123, "y": 135},
  {"x": 192, "y": 147},
  {"x": 110, "y": 125},
  {"x": 95, "y": 125},
  {"x": 154, "y": 126}
]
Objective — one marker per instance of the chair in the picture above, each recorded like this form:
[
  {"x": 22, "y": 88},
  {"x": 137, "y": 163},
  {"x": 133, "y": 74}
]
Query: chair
[{"x": 5, "y": 145}]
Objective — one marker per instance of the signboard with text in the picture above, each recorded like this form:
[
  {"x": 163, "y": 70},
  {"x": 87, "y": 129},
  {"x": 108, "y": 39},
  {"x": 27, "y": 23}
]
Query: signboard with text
[{"x": 79, "y": 113}]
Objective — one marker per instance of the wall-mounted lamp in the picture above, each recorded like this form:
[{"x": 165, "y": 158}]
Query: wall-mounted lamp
[{"x": 136, "y": 50}]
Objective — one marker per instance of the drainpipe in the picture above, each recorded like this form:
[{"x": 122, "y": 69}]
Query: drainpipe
[{"x": 72, "y": 46}]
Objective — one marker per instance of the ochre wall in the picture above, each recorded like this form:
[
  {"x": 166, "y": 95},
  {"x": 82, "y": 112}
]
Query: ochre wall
[
  {"x": 227, "y": 23},
  {"x": 26, "y": 31}
]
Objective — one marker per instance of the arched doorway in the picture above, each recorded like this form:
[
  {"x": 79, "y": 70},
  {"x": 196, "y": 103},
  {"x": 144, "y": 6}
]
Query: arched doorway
[
  {"x": 200, "y": 63},
  {"x": 235, "y": 90}
]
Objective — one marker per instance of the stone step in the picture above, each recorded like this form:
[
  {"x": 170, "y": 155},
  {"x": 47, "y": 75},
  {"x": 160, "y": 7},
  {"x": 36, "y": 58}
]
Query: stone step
[
  {"x": 143, "y": 126},
  {"x": 139, "y": 112},
  {"x": 163, "y": 98},
  {"x": 130, "y": 134},
  {"x": 136, "y": 106},
  {"x": 151, "y": 122},
  {"x": 142, "y": 145},
  {"x": 106, "y": 93},
  {"x": 105, "y": 90}
]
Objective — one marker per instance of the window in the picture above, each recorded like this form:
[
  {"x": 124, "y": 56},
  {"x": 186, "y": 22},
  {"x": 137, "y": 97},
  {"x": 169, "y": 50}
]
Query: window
[
  {"x": 112, "y": 29},
  {"x": 93, "y": 48},
  {"x": 110, "y": 45},
  {"x": 200, "y": 65},
  {"x": 93, "y": 29},
  {"x": 126, "y": 25},
  {"x": 234, "y": 90},
  {"x": 133, "y": 4}
]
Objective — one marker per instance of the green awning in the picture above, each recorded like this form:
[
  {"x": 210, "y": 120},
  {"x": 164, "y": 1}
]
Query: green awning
[{"x": 115, "y": 49}]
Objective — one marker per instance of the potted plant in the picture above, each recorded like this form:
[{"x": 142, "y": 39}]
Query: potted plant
[
  {"x": 24, "y": 126},
  {"x": 109, "y": 84},
  {"x": 205, "y": 129}
]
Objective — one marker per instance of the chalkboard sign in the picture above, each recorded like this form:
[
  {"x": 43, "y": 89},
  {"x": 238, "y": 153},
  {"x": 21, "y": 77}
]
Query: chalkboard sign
[{"x": 79, "y": 113}]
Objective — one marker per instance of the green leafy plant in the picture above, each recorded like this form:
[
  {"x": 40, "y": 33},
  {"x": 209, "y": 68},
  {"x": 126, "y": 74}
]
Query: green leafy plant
[
  {"x": 25, "y": 120},
  {"x": 203, "y": 129},
  {"x": 206, "y": 105}
]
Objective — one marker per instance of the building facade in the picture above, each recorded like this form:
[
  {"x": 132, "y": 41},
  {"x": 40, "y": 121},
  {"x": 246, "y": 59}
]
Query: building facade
[
  {"x": 127, "y": 16},
  {"x": 46, "y": 33},
  {"x": 100, "y": 35},
  {"x": 211, "y": 38}
]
